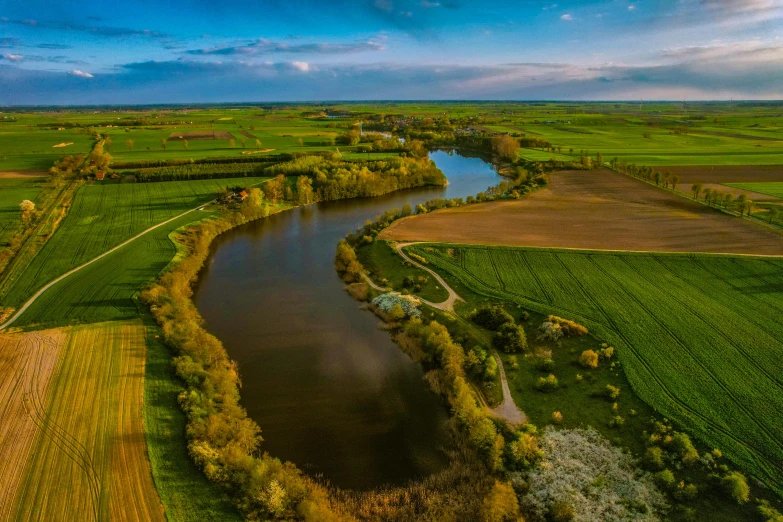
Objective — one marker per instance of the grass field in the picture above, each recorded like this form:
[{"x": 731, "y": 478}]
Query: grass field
[
  {"x": 12, "y": 192},
  {"x": 692, "y": 330},
  {"x": 103, "y": 216},
  {"x": 25, "y": 149},
  {"x": 774, "y": 189},
  {"x": 74, "y": 446},
  {"x": 183, "y": 489}
]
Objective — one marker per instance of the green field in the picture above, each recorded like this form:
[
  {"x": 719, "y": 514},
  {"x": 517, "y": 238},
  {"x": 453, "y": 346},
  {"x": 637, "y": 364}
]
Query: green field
[
  {"x": 103, "y": 216},
  {"x": 774, "y": 188},
  {"x": 12, "y": 192},
  {"x": 693, "y": 331},
  {"x": 24, "y": 149}
]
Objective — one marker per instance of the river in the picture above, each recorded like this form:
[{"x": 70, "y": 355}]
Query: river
[{"x": 330, "y": 390}]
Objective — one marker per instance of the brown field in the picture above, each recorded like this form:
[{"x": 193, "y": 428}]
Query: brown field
[
  {"x": 726, "y": 173},
  {"x": 200, "y": 135},
  {"x": 600, "y": 210},
  {"x": 27, "y": 174},
  {"x": 72, "y": 443},
  {"x": 247, "y": 135}
]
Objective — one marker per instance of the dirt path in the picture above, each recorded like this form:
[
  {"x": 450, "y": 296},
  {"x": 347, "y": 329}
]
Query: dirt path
[
  {"x": 507, "y": 410},
  {"x": 448, "y": 304},
  {"x": 40, "y": 292}
]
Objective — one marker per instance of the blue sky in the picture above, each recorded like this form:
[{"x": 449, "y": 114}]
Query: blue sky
[{"x": 171, "y": 51}]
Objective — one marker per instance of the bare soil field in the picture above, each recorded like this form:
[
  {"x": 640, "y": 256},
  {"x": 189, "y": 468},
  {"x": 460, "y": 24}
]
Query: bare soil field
[
  {"x": 72, "y": 443},
  {"x": 247, "y": 135},
  {"x": 726, "y": 173},
  {"x": 734, "y": 135},
  {"x": 601, "y": 210},
  {"x": 8, "y": 174},
  {"x": 200, "y": 135}
]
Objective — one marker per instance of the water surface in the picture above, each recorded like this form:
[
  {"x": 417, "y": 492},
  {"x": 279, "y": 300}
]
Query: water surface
[{"x": 330, "y": 390}]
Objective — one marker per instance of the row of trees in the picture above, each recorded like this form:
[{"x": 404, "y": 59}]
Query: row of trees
[
  {"x": 222, "y": 439},
  {"x": 193, "y": 171},
  {"x": 742, "y": 204}
]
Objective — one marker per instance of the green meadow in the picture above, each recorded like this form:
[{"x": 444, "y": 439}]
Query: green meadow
[
  {"x": 104, "y": 215},
  {"x": 12, "y": 192},
  {"x": 692, "y": 331}
]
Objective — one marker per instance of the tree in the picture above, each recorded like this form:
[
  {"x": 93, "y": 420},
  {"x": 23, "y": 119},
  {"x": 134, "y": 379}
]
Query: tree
[
  {"x": 728, "y": 198},
  {"x": 657, "y": 179},
  {"x": 258, "y": 144},
  {"x": 707, "y": 193},
  {"x": 129, "y": 143},
  {"x": 163, "y": 143},
  {"x": 304, "y": 190},
  {"x": 742, "y": 200},
  {"x": 773, "y": 213},
  {"x": 696, "y": 189},
  {"x": 506, "y": 147},
  {"x": 232, "y": 143},
  {"x": 736, "y": 486},
  {"x": 500, "y": 505},
  {"x": 589, "y": 359},
  {"x": 674, "y": 180},
  {"x": 243, "y": 141},
  {"x": 274, "y": 188},
  {"x": 561, "y": 511},
  {"x": 397, "y": 313},
  {"x": 185, "y": 144},
  {"x": 26, "y": 206},
  {"x": 300, "y": 141}
]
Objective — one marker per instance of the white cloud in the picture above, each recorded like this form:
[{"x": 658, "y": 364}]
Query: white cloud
[
  {"x": 13, "y": 57},
  {"x": 632, "y": 8},
  {"x": 567, "y": 17},
  {"x": 301, "y": 66},
  {"x": 80, "y": 74}
]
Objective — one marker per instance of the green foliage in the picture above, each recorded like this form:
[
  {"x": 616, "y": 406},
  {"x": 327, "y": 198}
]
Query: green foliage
[
  {"x": 736, "y": 486},
  {"x": 491, "y": 317},
  {"x": 510, "y": 338}
]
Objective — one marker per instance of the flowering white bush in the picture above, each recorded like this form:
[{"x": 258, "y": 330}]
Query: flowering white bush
[
  {"x": 550, "y": 332},
  {"x": 599, "y": 481},
  {"x": 408, "y": 303}
]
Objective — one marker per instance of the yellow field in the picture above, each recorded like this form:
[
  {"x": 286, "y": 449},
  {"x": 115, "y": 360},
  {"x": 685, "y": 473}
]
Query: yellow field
[{"x": 72, "y": 443}]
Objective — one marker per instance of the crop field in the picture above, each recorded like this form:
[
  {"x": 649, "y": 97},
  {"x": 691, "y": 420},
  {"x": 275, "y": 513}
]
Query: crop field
[
  {"x": 24, "y": 149},
  {"x": 774, "y": 189},
  {"x": 695, "y": 333},
  {"x": 12, "y": 192},
  {"x": 73, "y": 439},
  {"x": 103, "y": 216},
  {"x": 593, "y": 210}
]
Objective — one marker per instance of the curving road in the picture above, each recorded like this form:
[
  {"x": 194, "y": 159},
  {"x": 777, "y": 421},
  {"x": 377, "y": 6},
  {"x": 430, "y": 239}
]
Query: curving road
[{"x": 507, "y": 410}]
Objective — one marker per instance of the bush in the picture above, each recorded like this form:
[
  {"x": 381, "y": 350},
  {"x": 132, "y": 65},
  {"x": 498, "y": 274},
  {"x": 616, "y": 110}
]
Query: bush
[
  {"x": 665, "y": 479},
  {"x": 612, "y": 392},
  {"x": 547, "y": 384},
  {"x": 736, "y": 486},
  {"x": 557, "y": 417},
  {"x": 523, "y": 452},
  {"x": 549, "y": 332},
  {"x": 589, "y": 359},
  {"x": 407, "y": 303},
  {"x": 561, "y": 511},
  {"x": 653, "y": 459},
  {"x": 510, "y": 338},
  {"x": 491, "y": 317},
  {"x": 680, "y": 444},
  {"x": 545, "y": 365},
  {"x": 569, "y": 328}
]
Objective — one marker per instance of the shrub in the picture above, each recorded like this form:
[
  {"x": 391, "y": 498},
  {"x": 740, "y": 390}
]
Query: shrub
[
  {"x": 407, "y": 303},
  {"x": 523, "y": 452},
  {"x": 653, "y": 459},
  {"x": 561, "y": 511},
  {"x": 597, "y": 479},
  {"x": 547, "y": 384},
  {"x": 736, "y": 486},
  {"x": 549, "y": 332},
  {"x": 396, "y": 313},
  {"x": 501, "y": 504},
  {"x": 589, "y": 359},
  {"x": 607, "y": 353},
  {"x": 680, "y": 444},
  {"x": 557, "y": 417},
  {"x": 510, "y": 338},
  {"x": 768, "y": 513},
  {"x": 545, "y": 365},
  {"x": 491, "y": 317},
  {"x": 569, "y": 328},
  {"x": 665, "y": 479},
  {"x": 612, "y": 392}
]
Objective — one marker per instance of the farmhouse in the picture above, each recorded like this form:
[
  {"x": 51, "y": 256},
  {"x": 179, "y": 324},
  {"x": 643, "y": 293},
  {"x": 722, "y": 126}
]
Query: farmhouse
[{"x": 100, "y": 175}]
